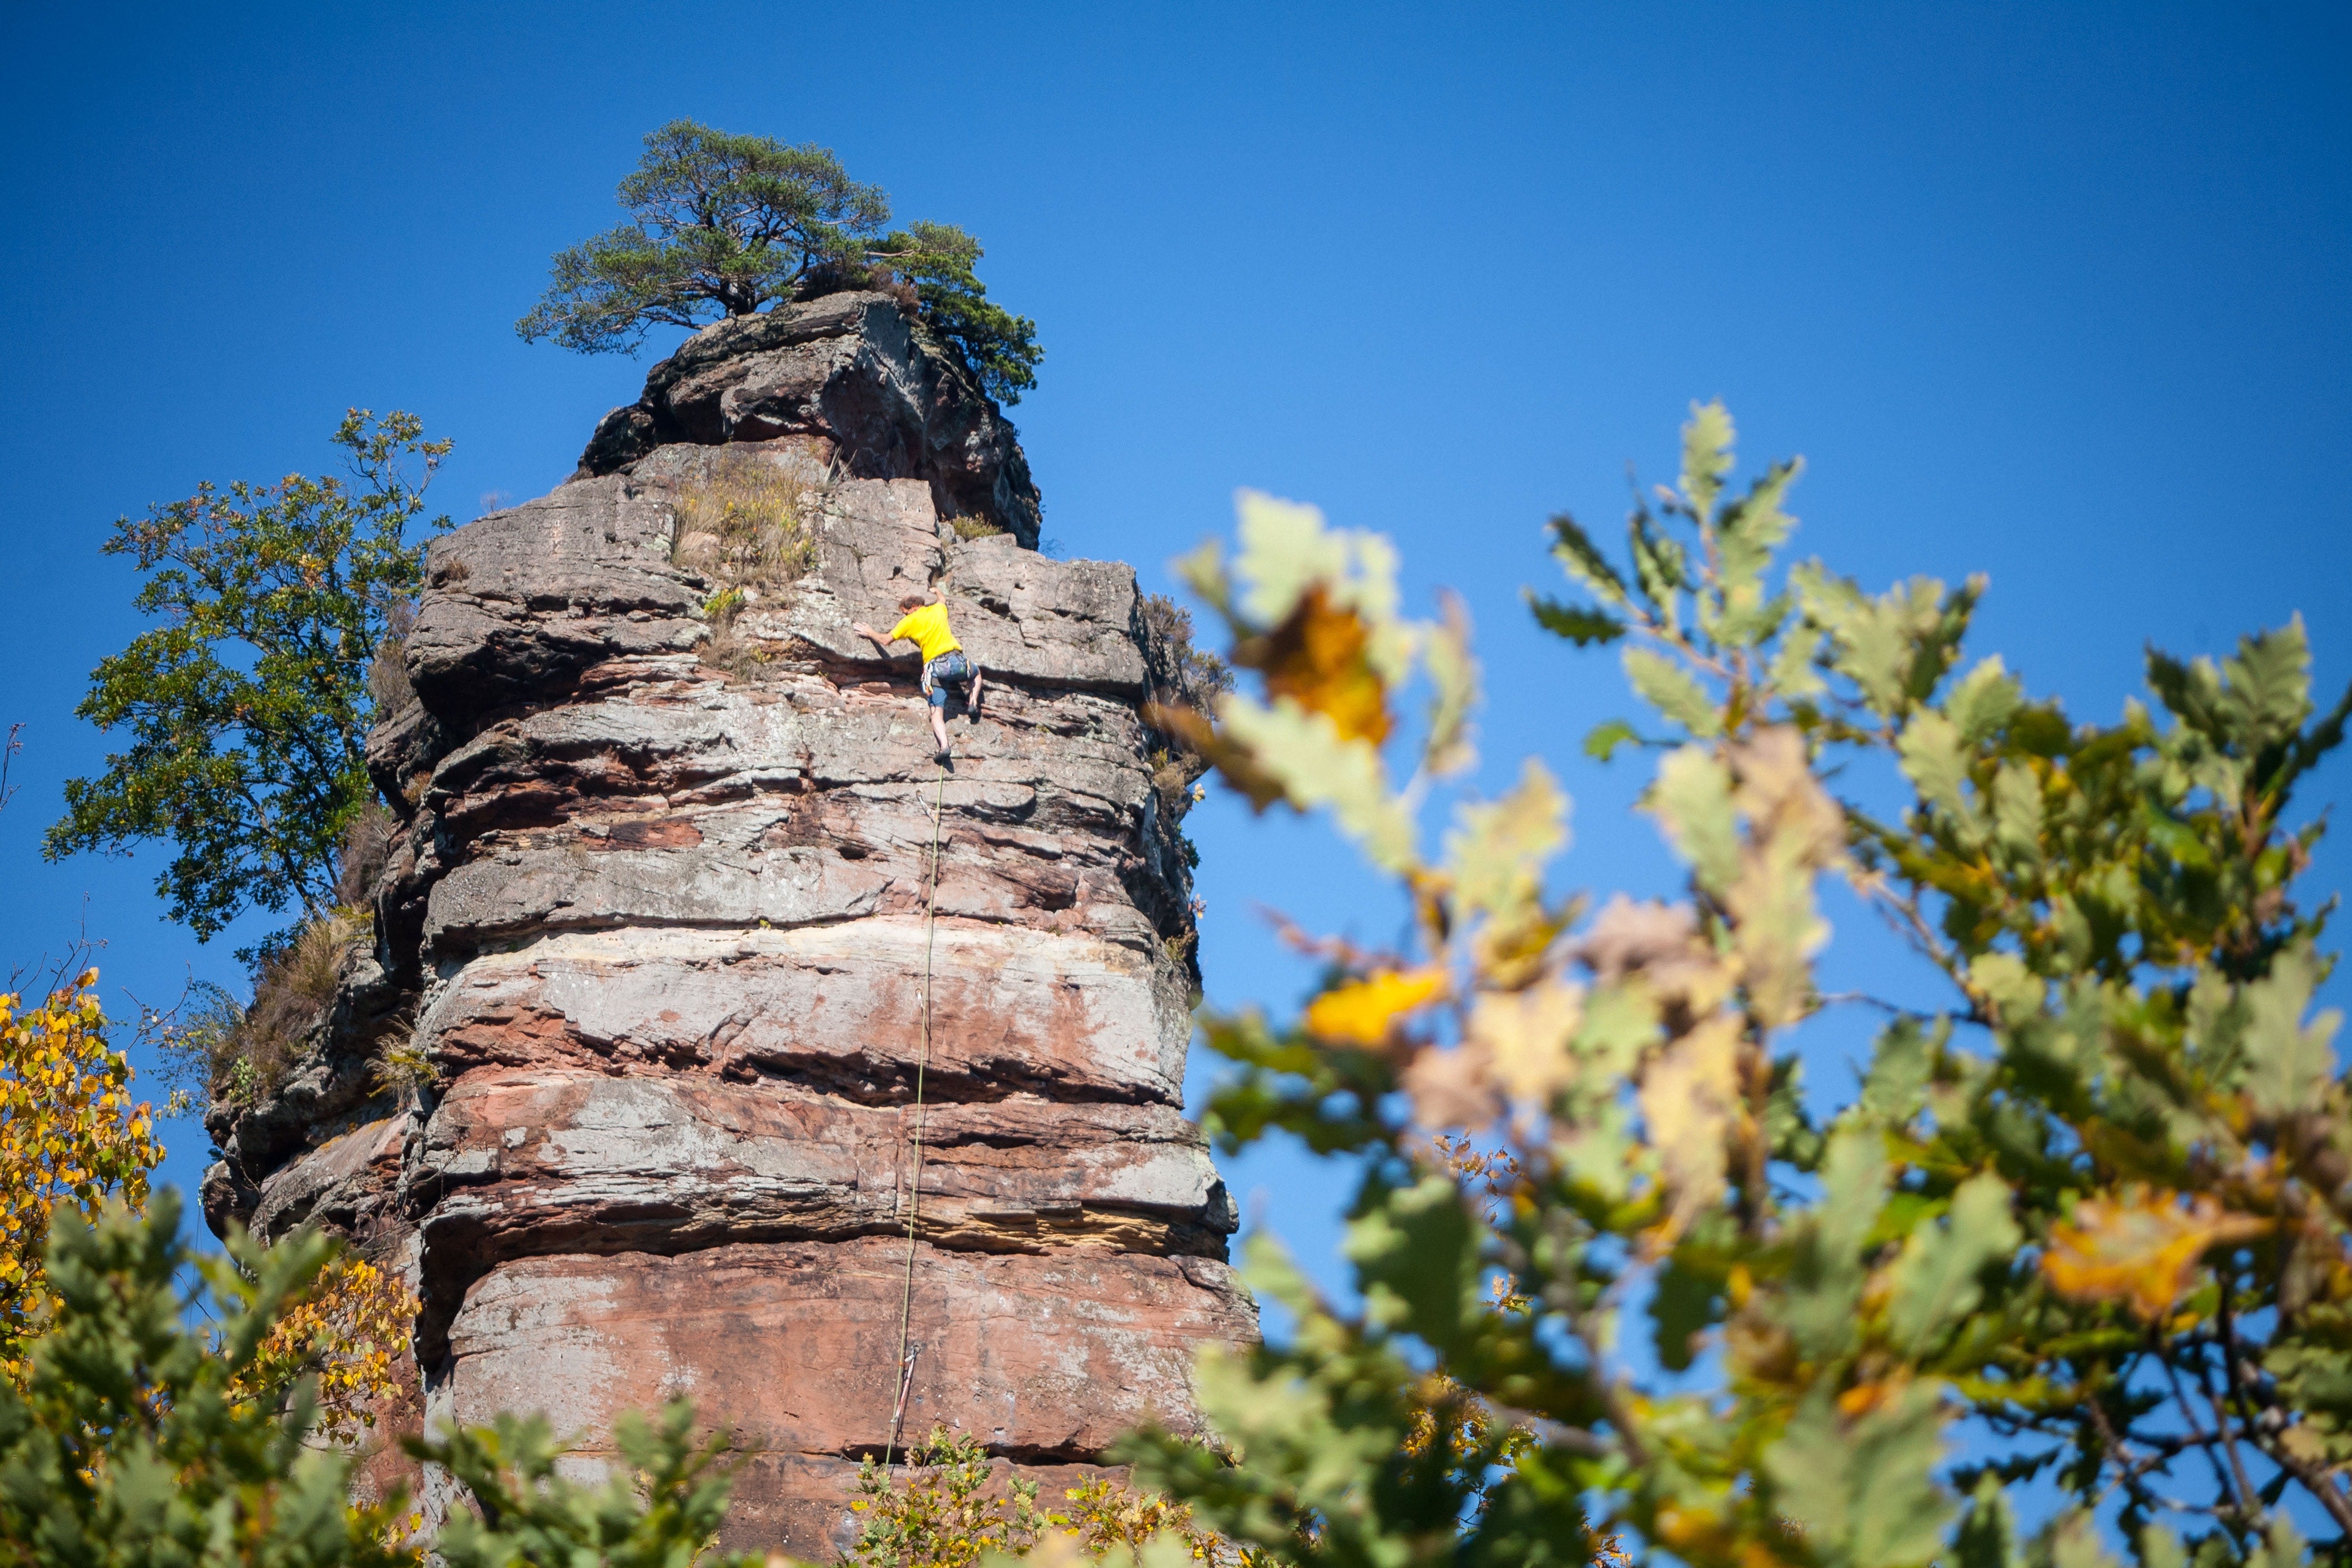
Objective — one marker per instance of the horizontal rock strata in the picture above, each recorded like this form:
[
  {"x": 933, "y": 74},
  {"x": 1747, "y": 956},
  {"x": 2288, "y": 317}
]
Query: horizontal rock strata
[{"x": 660, "y": 913}]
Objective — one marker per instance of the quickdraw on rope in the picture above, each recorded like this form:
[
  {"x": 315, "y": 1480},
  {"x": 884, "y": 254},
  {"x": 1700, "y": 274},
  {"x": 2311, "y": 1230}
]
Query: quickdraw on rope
[{"x": 906, "y": 1352}]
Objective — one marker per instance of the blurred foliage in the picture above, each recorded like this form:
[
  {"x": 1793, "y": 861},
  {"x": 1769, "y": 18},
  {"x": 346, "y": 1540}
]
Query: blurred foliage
[
  {"x": 2089, "y": 1202},
  {"x": 138, "y": 1440},
  {"x": 128, "y": 1437},
  {"x": 134, "y": 1440},
  {"x": 248, "y": 708},
  {"x": 661, "y": 1506}
]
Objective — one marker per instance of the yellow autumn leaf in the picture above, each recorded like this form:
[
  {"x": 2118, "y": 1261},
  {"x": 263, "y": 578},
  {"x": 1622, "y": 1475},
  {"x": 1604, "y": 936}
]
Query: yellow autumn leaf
[
  {"x": 343, "y": 1332},
  {"x": 2142, "y": 1248},
  {"x": 1320, "y": 658},
  {"x": 1363, "y": 1012},
  {"x": 68, "y": 1135}
]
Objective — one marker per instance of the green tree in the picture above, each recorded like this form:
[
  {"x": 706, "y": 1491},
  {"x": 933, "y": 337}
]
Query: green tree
[
  {"x": 130, "y": 1446},
  {"x": 2091, "y": 1202},
  {"x": 724, "y": 225},
  {"x": 661, "y": 1508},
  {"x": 938, "y": 259},
  {"x": 247, "y": 709},
  {"x": 138, "y": 1441}
]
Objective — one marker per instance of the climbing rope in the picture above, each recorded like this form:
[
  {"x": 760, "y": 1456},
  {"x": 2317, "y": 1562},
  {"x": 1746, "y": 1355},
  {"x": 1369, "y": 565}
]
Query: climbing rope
[{"x": 906, "y": 1352}]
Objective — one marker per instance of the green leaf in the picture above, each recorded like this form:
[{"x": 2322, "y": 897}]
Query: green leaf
[
  {"x": 2014, "y": 992},
  {"x": 1894, "y": 647},
  {"x": 1932, "y": 759},
  {"x": 1792, "y": 672},
  {"x": 1693, "y": 797},
  {"x": 1284, "y": 547},
  {"x": 1454, "y": 672},
  {"x": 1825, "y": 1279},
  {"x": 1601, "y": 741},
  {"x": 1667, "y": 688},
  {"x": 1983, "y": 700},
  {"x": 1864, "y": 1490},
  {"x": 1988, "y": 1535},
  {"x": 1418, "y": 1262},
  {"x": 1203, "y": 570},
  {"x": 1660, "y": 564},
  {"x": 1752, "y": 528},
  {"x": 2017, "y": 816},
  {"x": 1708, "y": 439},
  {"x": 2270, "y": 685},
  {"x": 1895, "y": 1089},
  {"x": 2287, "y": 1063},
  {"x": 1935, "y": 1279},
  {"x": 2160, "y": 1548},
  {"x": 1685, "y": 1304},
  {"x": 1584, "y": 562},
  {"x": 1580, "y": 625},
  {"x": 2073, "y": 1542}
]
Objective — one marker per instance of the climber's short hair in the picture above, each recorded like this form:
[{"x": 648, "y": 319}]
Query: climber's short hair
[{"x": 913, "y": 601}]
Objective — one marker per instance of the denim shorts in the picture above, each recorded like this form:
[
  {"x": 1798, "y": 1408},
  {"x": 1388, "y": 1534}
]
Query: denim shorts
[{"x": 951, "y": 666}]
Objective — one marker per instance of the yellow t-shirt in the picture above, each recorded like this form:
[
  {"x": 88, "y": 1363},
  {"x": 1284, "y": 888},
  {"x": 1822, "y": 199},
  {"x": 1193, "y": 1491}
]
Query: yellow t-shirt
[{"x": 928, "y": 628}]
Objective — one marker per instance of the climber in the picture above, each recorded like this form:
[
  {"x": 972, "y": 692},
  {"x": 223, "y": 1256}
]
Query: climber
[{"x": 924, "y": 624}]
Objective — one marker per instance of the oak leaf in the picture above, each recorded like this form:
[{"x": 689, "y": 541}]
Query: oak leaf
[
  {"x": 2143, "y": 1248},
  {"x": 1363, "y": 1012},
  {"x": 1320, "y": 658}
]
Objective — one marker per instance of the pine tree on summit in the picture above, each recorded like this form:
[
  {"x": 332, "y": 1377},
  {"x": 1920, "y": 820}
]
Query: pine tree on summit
[{"x": 725, "y": 225}]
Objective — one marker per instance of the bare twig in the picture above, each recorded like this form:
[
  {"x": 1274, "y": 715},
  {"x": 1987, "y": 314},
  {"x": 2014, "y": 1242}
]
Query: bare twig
[{"x": 7, "y": 754}]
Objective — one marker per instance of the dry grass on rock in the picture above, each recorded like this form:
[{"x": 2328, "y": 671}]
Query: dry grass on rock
[
  {"x": 241, "y": 1053},
  {"x": 745, "y": 530}
]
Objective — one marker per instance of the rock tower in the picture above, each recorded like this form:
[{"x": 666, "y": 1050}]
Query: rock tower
[{"x": 654, "y": 911}]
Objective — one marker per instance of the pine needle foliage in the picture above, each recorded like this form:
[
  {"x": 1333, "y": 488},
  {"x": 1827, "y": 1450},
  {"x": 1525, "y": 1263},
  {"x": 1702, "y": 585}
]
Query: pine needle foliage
[
  {"x": 139, "y": 1442},
  {"x": 157, "y": 1426},
  {"x": 660, "y": 1508},
  {"x": 722, "y": 225}
]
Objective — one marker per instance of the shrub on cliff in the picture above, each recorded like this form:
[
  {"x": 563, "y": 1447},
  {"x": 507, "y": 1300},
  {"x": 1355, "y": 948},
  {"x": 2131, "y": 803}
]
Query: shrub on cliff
[
  {"x": 725, "y": 225},
  {"x": 246, "y": 709},
  {"x": 2088, "y": 1209}
]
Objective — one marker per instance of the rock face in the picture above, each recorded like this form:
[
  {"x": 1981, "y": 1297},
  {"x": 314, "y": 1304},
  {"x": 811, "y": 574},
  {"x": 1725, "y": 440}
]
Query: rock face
[
  {"x": 660, "y": 926},
  {"x": 852, "y": 371}
]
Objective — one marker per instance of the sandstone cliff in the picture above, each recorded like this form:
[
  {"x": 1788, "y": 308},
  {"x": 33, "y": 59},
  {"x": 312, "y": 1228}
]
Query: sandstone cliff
[{"x": 656, "y": 918}]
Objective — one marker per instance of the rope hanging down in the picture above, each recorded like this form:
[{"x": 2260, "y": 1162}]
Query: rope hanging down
[{"x": 906, "y": 1352}]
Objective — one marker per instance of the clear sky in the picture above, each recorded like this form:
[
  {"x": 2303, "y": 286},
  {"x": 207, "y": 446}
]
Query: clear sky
[{"x": 2051, "y": 292}]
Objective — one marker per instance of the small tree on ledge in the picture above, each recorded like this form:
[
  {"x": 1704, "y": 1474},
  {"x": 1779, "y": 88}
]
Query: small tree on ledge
[{"x": 724, "y": 225}]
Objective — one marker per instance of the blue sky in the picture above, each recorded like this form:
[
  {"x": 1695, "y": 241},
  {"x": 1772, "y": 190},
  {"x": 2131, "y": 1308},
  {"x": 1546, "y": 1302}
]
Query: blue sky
[{"x": 2048, "y": 292}]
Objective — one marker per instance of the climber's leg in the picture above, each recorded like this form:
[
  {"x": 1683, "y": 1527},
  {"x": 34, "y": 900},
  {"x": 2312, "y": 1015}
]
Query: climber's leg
[
  {"x": 936, "y": 676},
  {"x": 972, "y": 698}
]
